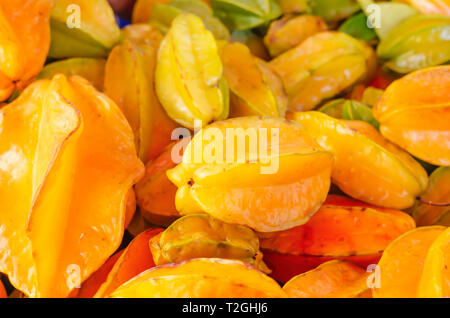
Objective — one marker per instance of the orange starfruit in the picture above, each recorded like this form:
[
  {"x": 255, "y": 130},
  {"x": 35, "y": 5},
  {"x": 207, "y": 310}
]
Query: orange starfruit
[
  {"x": 135, "y": 259},
  {"x": 129, "y": 81},
  {"x": 67, "y": 162},
  {"x": 343, "y": 228},
  {"x": 333, "y": 279},
  {"x": 201, "y": 278}
]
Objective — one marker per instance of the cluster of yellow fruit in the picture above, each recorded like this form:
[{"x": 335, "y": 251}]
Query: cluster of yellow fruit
[{"x": 319, "y": 167}]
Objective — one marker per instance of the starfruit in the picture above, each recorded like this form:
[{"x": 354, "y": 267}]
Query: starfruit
[
  {"x": 349, "y": 110},
  {"x": 288, "y": 32},
  {"x": 2, "y": 291},
  {"x": 189, "y": 75},
  {"x": 255, "y": 89},
  {"x": 402, "y": 265},
  {"x": 371, "y": 96},
  {"x": 414, "y": 113},
  {"x": 201, "y": 278},
  {"x": 294, "y": 6},
  {"x": 434, "y": 204},
  {"x": 155, "y": 193},
  {"x": 91, "y": 285},
  {"x": 264, "y": 173},
  {"x": 384, "y": 16},
  {"x": 201, "y": 235},
  {"x": 142, "y": 10},
  {"x": 333, "y": 279},
  {"x": 342, "y": 229},
  {"x": 82, "y": 28},
  {"x": 430, "y": 6},
  {"x": 91, "y": 69},
  {"x": 356, "y": 26},
  {"x": 321, "y": 67},
  {"x": 129, "y": 81},
  {"x": 252, "y": 41},
  {"x": 24, "y": 42},
  {"x": 142, "y": 34},
  {"x": 246, "y": 14},
  {"x": 67, "y": 162},
  {"x": 135, "y": 259},
  {"x": 435, "y": 280},
  {"x": 418, "y": 42},
  {"x": 334, "y": 10},
  {"x": 367, "y": 166},
  {"x": 163, "y": 14}
]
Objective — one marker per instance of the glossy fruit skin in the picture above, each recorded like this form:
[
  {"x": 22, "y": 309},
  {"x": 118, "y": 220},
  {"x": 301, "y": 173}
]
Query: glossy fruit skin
[
  {"x": 155, "y": 192},
  {"x": 435, "y": 279},
  {"x": 330, "y": 234},
  {"x": 213, "y": 186},
  {"x": 129, "y": 81},
  {"x": 418, "y": 42},
  {"x": 91, "y": 69},
  {"x": 360, "y": 151},
  {"x": 24, "y": 42},
  {"x": 255, "y": 90},
  {"x": 74, "y": 140},
  {"x": 200, "y": 235},
  {"x": 314, "y": 70},
  {"x": 414, "y": 113},
  {"x": 430, "y": 6},
  {"x": 190, "y": 84},
  {"x": 242, "y": 15},
  {"x": 95, "y": 35},
  {"x": 432, "y": 207},
  {"x": 135, "y": 259},
  {"x": 201, "y": 278},
  {"x": 333, "y": 279},
  {"x": 402, "y": 263}
]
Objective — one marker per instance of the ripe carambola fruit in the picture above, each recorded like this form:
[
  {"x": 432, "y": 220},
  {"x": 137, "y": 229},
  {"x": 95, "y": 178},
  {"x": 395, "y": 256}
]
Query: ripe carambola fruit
[
  {"x": 201, "y": 235},
  {"x": 129, "y": 81},
  {"x": 91, "y": 69},
  {"x": 201, "y": 278},
  {"x": 343, "y": 228},
  {"x": 67, "y": 162},
  {"x": 367, "y": 166},
  {"x": 435, "y": 280},
  {"x": 333, "y": 279},
  {"x": 288, "y": 32},
  {"x": 274, "y": 188},
  {"x": 401, "y": 267},
  {"x": 24, "y": 42},
  {"x": 321, "y": 67},
  {"x": 255, "y": 89},
  {"x": 414, "y": 113},
  {"x": 162, "y": 16},
  {"x": 189, "y": 75},
  {"x": 82, "y": 28},
  {"x": 434, "y": 204}
]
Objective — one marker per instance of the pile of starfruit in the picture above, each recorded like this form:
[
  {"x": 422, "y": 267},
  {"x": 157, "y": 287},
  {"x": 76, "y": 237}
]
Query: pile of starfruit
[{"x": 225, "y": 148}]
